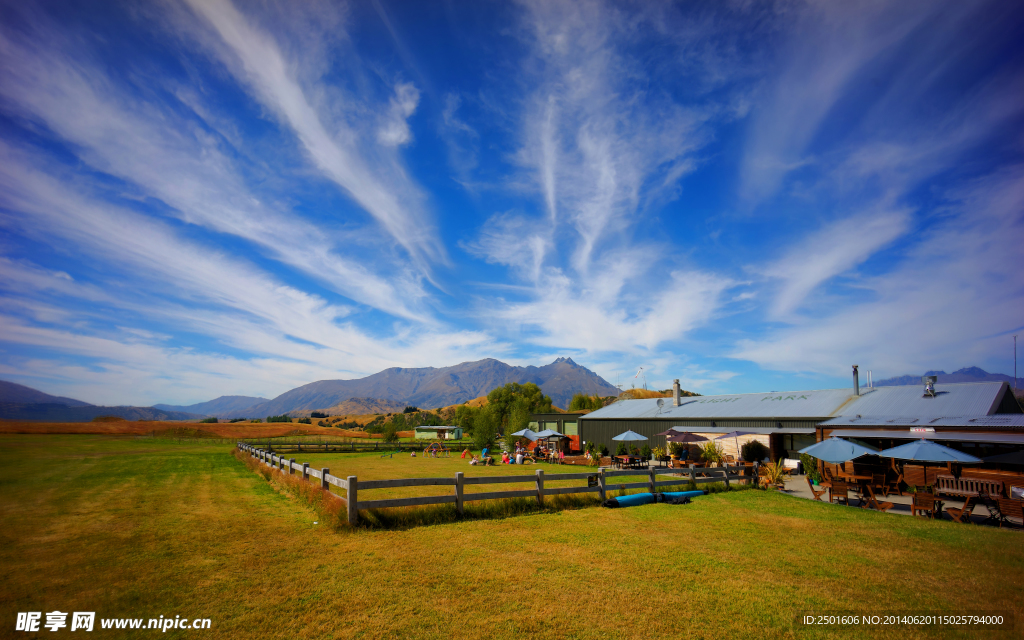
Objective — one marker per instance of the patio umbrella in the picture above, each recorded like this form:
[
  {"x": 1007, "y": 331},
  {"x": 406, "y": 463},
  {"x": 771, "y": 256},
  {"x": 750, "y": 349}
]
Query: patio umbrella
[
  {"x": 735, "y": 435},
  {"x": 836, "y": 450},
  {"x": 629, "y": 436},
  {"x": 685, "y": 437},
  {"x": 927, "y": 451},
  {"x": 529, "y": 434},
  {"x": 1015, "y": 457},
  {"x": 549, "y": 433}
]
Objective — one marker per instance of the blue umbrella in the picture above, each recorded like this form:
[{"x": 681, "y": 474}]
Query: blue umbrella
[
  {"x": 629, "y": 436},
  {"x": 927, "y": 451},
  {"x": 836, "y": 450},
  {"x": 526, "y": 433},
  {"x": 549, "y": 433}
]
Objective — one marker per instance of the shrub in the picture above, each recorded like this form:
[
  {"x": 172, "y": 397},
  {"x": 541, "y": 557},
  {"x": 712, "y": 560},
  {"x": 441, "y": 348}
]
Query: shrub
[
  {"x": 678, "y": 449},
  {"x": 305, "y": 421},
  {"x": 318, "y": 414},
  {"x": 621, "y": 450},
  {"x": 754, "y": 451},
  {"x": 659, "y": 452},
  {"x": 391, "y": 432},
  {"x": 234, "y": 420},
  {"x": 712, "y": 452},
  {"x": 256, "y": 420},
  {"x": 208, "y": 421},
  {"x": 645, "y": 453},
  {"x": 604, "y": 450},
  {"x": 410, "y": 410},
  {"x": 281, "y": 418},
  {"x": 810, "y": 464}
]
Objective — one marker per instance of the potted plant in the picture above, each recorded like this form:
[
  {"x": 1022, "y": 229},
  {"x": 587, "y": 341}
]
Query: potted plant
[
  {"x": 712, "y": 453},
  {"x": 677, "y": 448},
  {"x": 659, "y": 453}
]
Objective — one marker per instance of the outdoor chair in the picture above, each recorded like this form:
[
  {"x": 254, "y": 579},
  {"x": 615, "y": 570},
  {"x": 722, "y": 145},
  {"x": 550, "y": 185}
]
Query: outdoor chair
[
  {"x": 878, "y": 482},
  {"x": 1010, "y": 508},
  {"x": 924, "y": 503},
  {"x": 816, "y": 492},
  {"x": 872, "y": 500},
  {"x": 963, "y": 514},
  {"x": 839, "y": 491}
]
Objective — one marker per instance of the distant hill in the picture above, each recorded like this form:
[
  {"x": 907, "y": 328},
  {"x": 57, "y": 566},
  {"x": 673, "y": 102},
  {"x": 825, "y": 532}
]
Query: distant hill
[
  {"x": 430, "y": 387},
  {"x": 967, "y": 374},
  {"x": 52, "y": 412},
  {"x": 11, "y": 392},
  {"x": 355, "y": 407},
  {"x": 222, "y": 406}
]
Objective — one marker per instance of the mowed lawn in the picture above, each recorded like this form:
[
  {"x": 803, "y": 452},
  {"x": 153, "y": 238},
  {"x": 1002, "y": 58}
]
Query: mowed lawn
[{"x": 143, "y": 528}]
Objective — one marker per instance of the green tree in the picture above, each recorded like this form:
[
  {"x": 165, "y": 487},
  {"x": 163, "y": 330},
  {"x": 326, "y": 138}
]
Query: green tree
[
  {"x": 485, "y": 427},
  {"x": 391, "y": 432},
  {"x": 501, "y": 400},
  {"x": 464, "y": 417}
]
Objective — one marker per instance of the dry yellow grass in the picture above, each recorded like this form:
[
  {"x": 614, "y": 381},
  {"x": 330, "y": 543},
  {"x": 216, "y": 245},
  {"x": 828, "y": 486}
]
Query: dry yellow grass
[{"x": 140, "y": 527}]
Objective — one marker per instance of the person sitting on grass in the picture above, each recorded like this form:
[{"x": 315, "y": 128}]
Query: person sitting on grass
[
  {"x": 474, "y": 461},
  {"x": 504, "y": 457}
]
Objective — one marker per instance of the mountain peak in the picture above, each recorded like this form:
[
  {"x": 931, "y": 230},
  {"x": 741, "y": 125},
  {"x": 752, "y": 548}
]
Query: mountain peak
[
  {"x": 974, "y": 372},
  {"x": 566, "y": 361}
]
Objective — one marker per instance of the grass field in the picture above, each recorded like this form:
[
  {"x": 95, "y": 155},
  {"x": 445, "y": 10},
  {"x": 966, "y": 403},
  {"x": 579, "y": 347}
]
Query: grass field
[{"x": 145, "y": 527}]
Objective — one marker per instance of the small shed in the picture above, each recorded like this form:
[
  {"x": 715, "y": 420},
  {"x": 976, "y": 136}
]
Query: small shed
[{"x": 438, "y": 433}]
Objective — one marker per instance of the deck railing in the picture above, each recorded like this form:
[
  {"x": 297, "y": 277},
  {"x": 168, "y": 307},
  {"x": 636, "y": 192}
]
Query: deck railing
[{"x": 597, "y": 482}]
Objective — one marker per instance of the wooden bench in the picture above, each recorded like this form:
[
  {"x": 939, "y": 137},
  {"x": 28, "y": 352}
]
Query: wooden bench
[{"x": 967, "y": 487}]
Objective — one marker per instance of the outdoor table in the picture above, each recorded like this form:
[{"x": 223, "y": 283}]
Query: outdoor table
[{"x": 860, "y": 481}]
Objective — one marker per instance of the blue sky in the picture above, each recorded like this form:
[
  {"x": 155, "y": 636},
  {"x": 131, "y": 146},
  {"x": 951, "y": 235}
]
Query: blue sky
[{"x": 203, "y": 198}]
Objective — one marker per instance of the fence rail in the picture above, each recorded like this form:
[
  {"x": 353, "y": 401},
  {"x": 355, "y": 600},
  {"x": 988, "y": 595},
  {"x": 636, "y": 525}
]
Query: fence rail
[
  {"x": 312, "y": 446},
  {"x": 602, "y": 478}
]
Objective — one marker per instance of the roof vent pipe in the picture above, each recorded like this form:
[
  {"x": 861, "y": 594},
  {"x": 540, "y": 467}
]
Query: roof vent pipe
[
  {"x": 856, "y": 381},
  {"x": 676, "y": 396}
]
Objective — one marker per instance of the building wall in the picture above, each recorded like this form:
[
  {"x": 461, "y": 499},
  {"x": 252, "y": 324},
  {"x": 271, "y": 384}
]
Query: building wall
[{"x": 602, "y": 431}]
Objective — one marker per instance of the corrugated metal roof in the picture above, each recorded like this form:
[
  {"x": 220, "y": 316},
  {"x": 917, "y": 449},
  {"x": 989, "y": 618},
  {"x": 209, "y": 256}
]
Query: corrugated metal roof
[
  {"x": 1002, "y": 421},
  {"x": 903, "y": 434},
  {"x": 976, "y": 398},
  {"x": 797, "y": 404},
  {"x": 965, "y": 399},
  {"x": 757, "y": 430}
]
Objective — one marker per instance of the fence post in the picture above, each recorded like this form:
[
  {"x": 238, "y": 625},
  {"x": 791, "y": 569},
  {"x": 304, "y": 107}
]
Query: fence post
[
  {"x": 650, "y": 470},
  {"x": 540, "y": 487},
  {"x": 305, "y": 471},
  {"x": 693, "y": 475},
  {"x": 291, "y": 466},
  {"x": 323, "y": 479},
  {"x": 280, "y": 463},
  {"x": 601, "y": 484},
  {"x": 353, "y": 500},
  {"x": 726, "y": 472},
  {"x": 458, "y": 492}
]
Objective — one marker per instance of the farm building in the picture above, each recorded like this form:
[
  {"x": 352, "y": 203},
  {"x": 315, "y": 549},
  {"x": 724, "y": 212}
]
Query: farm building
[
  {"x": 438, "y": 433},
  {"x": 788, "y": 421},
  {"x": 565, "y": 423}
]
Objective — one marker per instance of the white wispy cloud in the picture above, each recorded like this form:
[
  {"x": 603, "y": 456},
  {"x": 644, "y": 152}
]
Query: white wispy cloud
[
  {"x": 838, "y": 248},
  {"x": 182, "y": 164},
  {"x": 953, "y": 298},
  {"x": 372, "y": 176}
]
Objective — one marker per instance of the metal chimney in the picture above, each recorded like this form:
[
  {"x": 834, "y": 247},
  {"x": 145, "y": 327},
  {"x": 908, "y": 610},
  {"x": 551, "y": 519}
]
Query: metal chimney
[
  {"x": 856, "y": 381},
  {"x": 676, "y": 396}
]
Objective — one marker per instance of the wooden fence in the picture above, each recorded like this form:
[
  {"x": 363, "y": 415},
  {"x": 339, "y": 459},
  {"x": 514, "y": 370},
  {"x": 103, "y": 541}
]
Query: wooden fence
[
  {"x": 459, "y": 497},
  {"x": 340, "y": 447}
]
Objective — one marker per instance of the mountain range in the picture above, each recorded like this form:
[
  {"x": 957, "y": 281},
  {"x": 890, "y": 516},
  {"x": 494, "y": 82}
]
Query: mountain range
[
  {"x": 967, "y": 374},
  {"x": 18, "y": 402},
  {"x": 431, "y": 387},
  {"x": 387, "y": 391}
]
